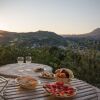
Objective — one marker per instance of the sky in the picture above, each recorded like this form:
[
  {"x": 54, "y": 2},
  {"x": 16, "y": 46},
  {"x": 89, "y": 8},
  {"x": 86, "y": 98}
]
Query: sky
[{"x": 60, "y": 16}]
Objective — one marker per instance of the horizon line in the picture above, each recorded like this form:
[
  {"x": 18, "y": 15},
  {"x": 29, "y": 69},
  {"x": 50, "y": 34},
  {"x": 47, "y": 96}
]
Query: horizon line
[{"x": 46, "y": 31}]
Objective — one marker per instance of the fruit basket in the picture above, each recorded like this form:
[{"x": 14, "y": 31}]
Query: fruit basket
[
  {"x": 59, "y": 89},
  {"x": 63, "y": 75},
  {"x": 65, "y": 80}
]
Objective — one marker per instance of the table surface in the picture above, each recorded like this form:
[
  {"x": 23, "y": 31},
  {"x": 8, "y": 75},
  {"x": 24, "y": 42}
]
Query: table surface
[
  {"x": 14, "y": 70},
  {"x": 13, "y": 91}
]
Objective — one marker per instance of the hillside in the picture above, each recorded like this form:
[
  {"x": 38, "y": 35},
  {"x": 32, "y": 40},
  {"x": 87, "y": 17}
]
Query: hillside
[
  {"x": 46, "y": 38},
  {"x": 94, "y": 35},
  {"x": 39, "y": 38},
  {"x": 87, "y": 40}
]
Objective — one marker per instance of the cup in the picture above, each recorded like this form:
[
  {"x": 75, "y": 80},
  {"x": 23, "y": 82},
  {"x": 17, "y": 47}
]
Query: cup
[
  {"x": 20, "y": 60},
  {"x": 28, "y": 59}
]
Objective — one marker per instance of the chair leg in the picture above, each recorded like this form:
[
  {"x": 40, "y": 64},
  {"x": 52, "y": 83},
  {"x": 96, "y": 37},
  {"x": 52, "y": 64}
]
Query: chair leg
[{"x": 1, "y": 97}]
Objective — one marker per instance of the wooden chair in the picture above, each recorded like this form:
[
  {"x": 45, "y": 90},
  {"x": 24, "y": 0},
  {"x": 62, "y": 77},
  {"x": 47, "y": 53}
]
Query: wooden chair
[{"x": 3, "y": 84}]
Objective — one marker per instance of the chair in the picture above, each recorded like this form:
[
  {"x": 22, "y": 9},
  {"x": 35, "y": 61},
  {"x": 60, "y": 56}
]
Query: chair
[{"x": 3, "y": 84}]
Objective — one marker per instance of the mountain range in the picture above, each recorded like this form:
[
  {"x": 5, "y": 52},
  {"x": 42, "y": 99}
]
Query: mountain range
[
  {"x": 94, "y": 35},
  {"x": 44, "y": 38},
  {"x": 39, "y": 38}
]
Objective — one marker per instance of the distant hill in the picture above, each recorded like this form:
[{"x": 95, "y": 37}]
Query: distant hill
[
  {"x": 46, "y": 38},
  {"x": 39, "y": 38},
  {"x": 87, "y": 40},
  {"x": 94, "y": 35}
]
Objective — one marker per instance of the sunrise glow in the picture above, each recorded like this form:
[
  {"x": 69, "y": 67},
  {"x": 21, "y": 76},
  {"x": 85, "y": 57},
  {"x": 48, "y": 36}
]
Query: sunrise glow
[{"x": 60, "y": 16}]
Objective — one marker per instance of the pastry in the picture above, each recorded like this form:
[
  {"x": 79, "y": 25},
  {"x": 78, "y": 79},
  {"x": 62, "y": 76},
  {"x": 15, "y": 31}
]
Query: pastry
[{"x": 46, "y": 74}]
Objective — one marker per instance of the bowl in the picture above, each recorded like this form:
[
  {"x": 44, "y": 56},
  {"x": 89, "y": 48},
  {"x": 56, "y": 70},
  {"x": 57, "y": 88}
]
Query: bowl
[{"x": 27, "y": 82}]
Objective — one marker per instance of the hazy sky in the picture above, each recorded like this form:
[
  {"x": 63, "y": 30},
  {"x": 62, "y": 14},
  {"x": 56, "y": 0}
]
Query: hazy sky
[{"x": 60, "y": 16}]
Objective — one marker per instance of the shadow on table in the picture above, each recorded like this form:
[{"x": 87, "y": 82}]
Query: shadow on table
[{"x": 58, "y": 98}]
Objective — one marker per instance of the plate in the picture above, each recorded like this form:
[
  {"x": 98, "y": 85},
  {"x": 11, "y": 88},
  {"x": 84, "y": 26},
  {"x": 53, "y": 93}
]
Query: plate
[
  {"x": 46, "y": 75},
  {"x": 61, "y": 90}
]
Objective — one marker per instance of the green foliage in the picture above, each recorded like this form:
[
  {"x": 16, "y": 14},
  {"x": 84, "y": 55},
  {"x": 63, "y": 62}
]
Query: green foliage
[{"x": 84, "y": 64}]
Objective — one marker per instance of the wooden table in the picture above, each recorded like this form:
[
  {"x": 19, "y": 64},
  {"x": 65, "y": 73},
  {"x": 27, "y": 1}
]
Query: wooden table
[
  {"x": 13, "y": 92},
  {"x": 14, "y": 70}
]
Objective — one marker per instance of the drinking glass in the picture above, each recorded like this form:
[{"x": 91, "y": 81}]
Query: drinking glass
[
  {"x": 28, "y": 59},
  {"x": 20, "y": 60}
]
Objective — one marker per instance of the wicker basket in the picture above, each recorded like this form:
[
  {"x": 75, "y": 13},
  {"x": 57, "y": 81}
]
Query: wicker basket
[{"x": 65, "y": 80}]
